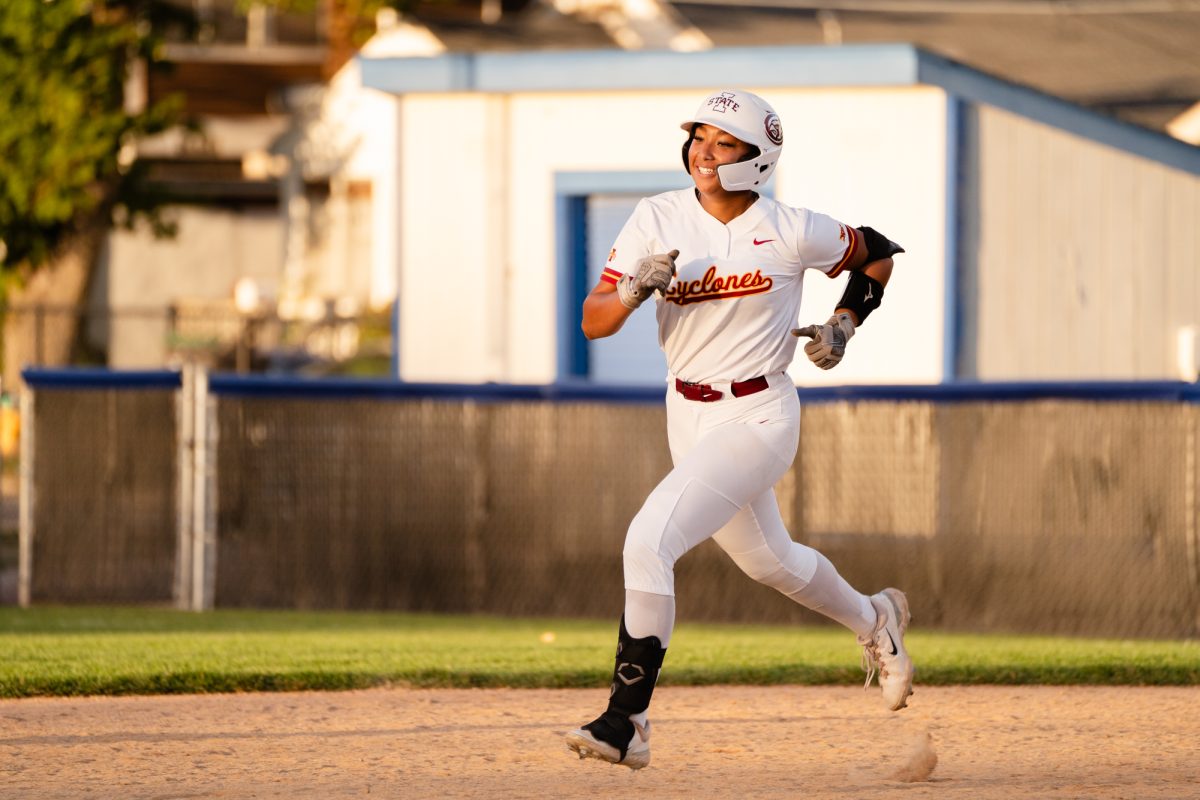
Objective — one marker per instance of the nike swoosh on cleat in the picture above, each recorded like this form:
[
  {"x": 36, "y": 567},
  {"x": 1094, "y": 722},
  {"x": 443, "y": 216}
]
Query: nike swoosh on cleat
[
  {"x": 892, "y": 642},
  {"x": 763, "y": 241}
]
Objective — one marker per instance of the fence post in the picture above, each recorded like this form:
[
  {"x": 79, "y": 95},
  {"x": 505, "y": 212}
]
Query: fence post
[
  {"x": 195, "y": 560},
  {"x": 25, "y": 501},
  {"x": 205, "y": 475},
  {"x": 185, "y": 434},
  {"x": 201, "y": 596}
]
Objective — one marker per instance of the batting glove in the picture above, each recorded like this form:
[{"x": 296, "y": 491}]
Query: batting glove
[
  {"x": 652, "y": 273},
  {"x": 828, "y": 343}
]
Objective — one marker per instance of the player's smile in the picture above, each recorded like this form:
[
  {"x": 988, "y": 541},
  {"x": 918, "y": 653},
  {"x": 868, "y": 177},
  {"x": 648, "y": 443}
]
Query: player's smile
[{"x": 712, "y": 147}]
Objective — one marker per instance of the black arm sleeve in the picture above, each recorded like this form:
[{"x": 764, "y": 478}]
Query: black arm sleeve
[{"x": 862, "y": 296}]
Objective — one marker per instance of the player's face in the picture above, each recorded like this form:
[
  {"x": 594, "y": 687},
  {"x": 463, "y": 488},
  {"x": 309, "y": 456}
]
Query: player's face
[{"x": 711, "y": 147}]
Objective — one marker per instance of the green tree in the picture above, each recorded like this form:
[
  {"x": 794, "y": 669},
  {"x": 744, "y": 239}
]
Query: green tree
[{"x": 65, "y": 135}]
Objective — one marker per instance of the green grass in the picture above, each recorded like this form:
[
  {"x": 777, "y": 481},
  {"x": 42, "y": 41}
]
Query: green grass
[{"x": 57, "y": 651}]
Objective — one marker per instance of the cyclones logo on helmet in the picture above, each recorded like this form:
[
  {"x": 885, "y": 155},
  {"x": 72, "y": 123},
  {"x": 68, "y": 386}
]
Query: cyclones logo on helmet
[{"x": 774, "y": 128}]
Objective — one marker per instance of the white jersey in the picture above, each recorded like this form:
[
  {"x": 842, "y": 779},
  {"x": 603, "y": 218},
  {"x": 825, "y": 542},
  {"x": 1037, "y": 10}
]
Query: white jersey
[{"x": 728, "y": 314}]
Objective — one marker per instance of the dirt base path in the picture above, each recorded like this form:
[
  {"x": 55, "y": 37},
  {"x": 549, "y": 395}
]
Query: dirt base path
[{"x": 728, "y": 742}]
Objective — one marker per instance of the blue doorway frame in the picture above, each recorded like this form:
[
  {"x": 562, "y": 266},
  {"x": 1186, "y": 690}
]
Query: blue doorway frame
[{"x": 571, "y": 193}]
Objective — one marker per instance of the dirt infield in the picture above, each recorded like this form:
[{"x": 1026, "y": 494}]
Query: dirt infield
[{"x": 736, "y": 742}]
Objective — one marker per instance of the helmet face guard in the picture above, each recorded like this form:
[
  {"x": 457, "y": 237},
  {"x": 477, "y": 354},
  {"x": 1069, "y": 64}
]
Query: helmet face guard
[{"x": 752, "y": 120}]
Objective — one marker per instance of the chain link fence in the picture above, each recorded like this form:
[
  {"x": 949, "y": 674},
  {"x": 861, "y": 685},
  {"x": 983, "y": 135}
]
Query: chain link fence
[{"x": 1067, "y": 514}]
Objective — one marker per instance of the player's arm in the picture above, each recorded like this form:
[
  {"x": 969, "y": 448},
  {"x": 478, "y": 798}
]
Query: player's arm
[
  {"x": 871, "y": 275},
  {"x": 603, "y": 311},
  {"x": 616, "y": 296},
  {"x": 869, "y": 261},
  {"x": 870, "y": 268}
]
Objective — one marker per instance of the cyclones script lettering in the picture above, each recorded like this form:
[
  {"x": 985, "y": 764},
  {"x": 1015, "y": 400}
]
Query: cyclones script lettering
[{"x": 714, "y": 287}]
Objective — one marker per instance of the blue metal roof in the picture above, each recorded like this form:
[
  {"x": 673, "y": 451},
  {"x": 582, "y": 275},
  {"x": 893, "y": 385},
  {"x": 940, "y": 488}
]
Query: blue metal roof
[{"x": 854, "y": 65}]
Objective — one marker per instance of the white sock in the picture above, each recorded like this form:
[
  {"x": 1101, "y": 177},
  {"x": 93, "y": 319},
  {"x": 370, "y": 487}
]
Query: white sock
[
  {"x": 649, "y": 614},
  {"x": 829, "y": 594}
]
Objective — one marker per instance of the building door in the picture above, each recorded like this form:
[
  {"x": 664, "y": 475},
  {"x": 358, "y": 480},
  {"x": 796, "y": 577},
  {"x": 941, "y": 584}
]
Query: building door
[{"x": 632, "y": 355}]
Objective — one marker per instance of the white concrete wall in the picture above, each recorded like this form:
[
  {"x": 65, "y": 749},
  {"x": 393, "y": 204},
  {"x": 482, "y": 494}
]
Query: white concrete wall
[
  {"x": 445, "y": 265},
  {"x": 478, "y": 237},
  {"x": 1086, "y": 257}
]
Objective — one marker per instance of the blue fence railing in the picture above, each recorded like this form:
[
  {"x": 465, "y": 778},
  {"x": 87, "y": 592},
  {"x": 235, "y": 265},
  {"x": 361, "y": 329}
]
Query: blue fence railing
[{"x": 290, "y": 386}]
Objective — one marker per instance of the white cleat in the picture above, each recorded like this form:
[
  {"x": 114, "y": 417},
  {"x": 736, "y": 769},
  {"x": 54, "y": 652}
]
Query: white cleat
[
  {"x": 883, "y": 649},
  {"x": 637, "y": 754}
]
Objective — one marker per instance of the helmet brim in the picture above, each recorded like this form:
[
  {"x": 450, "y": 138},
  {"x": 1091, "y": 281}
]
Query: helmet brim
[{"x": 741, "y": 136}]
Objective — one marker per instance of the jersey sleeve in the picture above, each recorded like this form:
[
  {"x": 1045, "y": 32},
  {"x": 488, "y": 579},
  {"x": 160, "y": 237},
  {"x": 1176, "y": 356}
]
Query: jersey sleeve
[
  {"x": 828, "y": 245},
  {"x": 610, "y": 275},
  {"x": 632, "y": 245}
]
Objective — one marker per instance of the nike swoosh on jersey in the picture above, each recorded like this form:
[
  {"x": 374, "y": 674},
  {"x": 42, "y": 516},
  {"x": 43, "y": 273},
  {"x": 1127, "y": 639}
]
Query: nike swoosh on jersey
[{"x": 762, "y": 241}]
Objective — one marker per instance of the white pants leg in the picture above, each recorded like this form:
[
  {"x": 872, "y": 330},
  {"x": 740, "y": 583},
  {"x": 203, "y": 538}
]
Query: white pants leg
[
  {"x": 728, "y": 455},
  {"x": 758, "y": 542}
]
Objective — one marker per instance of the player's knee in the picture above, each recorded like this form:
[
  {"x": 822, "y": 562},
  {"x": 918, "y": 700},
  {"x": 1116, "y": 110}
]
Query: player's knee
[
  {"x": 766, "y": 571},
  {"x": 650, "y": 553},
  {"x": 759, "y": 563},
  {"x": 765, "y": 567},
  {"x": 638, "y": 552},
  {"x": 760, "y": 572},
  {"x": 646, "y": 569}
]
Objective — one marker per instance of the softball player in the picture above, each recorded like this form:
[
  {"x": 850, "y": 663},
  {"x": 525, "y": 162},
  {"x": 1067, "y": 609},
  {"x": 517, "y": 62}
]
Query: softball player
[{"x": 727, "y": 264}]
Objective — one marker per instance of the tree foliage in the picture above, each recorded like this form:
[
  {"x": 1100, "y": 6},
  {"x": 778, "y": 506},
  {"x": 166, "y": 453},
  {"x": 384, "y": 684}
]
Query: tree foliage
[{"x": 66, "y": 137}]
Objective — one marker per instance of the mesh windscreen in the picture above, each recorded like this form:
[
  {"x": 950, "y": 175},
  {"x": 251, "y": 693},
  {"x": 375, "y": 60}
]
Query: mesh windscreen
[
  {"x": 106, "y": 497},
  {"x": 427, "y": 504},
  {"x": 1069, "y": 517},
  {"x": 1041, "y": 516}
]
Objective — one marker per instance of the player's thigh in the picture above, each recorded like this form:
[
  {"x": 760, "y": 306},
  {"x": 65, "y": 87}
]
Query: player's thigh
[
  {"x": 738, "y": 461},
  {"x": 725, "y": 471}
]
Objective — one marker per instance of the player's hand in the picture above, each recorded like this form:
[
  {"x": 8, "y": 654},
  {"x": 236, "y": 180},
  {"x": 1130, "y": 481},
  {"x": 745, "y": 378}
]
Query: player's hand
[
  {"x": 651, "y": 273},
  {"x": 828, "y": 343}
]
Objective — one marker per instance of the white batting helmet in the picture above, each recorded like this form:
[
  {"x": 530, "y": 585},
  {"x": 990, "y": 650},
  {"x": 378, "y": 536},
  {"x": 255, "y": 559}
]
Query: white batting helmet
[{"x": 751, "y": 119}]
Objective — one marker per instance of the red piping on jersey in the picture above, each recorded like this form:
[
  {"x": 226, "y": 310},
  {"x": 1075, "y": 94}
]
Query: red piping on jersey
[
  {"x": 851, "y": 249},
  {"x": 610, "y": 275}
]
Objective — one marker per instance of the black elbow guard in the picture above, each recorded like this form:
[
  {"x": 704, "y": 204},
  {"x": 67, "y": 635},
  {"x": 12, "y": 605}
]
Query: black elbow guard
[
  {"x": 878, "y": 245},
  {"x": 862, "y": 296}
]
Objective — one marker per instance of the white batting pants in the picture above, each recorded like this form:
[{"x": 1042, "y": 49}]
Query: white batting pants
[{"x": 728, "y": 456}]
